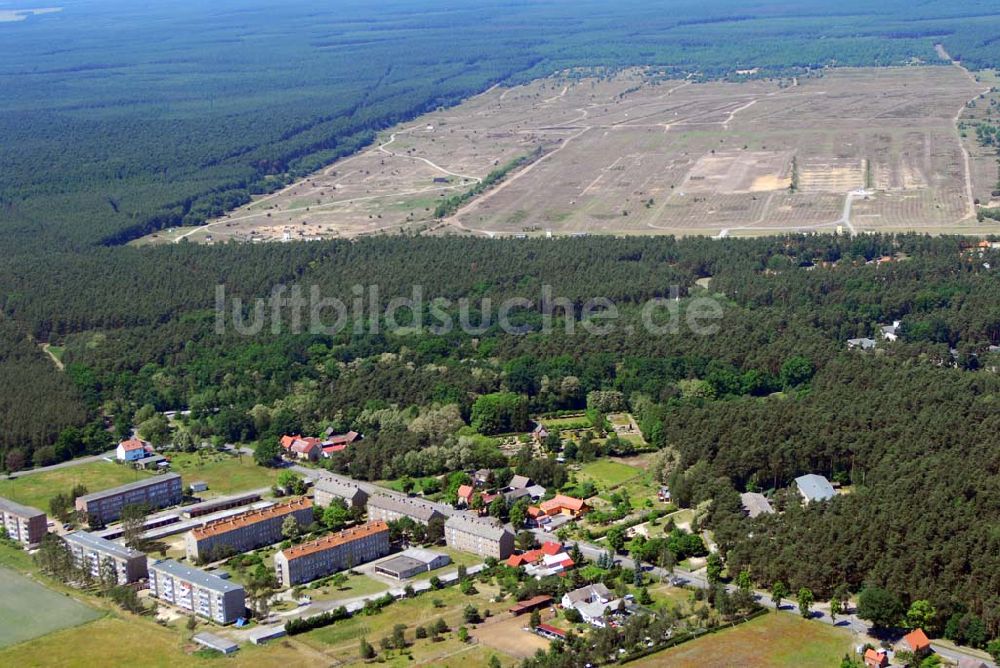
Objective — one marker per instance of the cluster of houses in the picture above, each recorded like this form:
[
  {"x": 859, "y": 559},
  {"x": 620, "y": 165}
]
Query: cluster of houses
[
  {"x": 598, "y": 606},
  {"x": 519, "y": 487},
  {"x": 812, "y": 487},
  {"x": 550, "y": 559},
  {"x": 886, "y": 332},
  {"x": 312, "y": 449}
]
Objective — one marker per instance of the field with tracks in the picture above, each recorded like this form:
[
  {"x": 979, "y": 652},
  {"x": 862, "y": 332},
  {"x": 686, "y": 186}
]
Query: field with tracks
[{"x": 849, "y": 149}]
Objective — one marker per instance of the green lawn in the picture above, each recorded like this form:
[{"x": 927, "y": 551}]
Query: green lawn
[
  {"x": 606, "y": 473},
  {"x": 29, "y": 610},
  {"x": 344, "y": 635},
  {"x": 224, "y": 473},
  {"x": 133, "y": 641},
  {"x": 356, "y": 585},
  {"x": 774, "y": 640},
  {"x": 458, "y": 558},
  {"x": 36, "y": 489}
]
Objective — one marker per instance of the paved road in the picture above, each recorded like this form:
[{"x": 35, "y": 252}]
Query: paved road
[
  {"x": 821, "y": 614},
  {"x": 62, "y": 465}
]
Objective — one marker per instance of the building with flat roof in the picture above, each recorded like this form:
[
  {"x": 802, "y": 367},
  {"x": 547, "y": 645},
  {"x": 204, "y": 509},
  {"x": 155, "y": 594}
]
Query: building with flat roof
[
  {"x": 328, "y": 489},
  {"x": 409, "y": 563},
  {"x": 245, "y": 531},
  {"x": 202, "y": 593},
  {"x": 24, "y": 524},
  {"x": 217, "y": 505},
  {"x": 391, "y": 508},
  {"x": 156, "y": 492},
  {"x": 92, "y": 552},
  {"x": 482, "y": 537},
  {"x": 217, "y": 643},
  {"x": 335, "y": 552}
]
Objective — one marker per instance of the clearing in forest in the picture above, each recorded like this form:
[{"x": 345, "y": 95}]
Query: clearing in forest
[{"x": 870, "y": 149}]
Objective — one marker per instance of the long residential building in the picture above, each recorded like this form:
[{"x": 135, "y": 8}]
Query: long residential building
[
  {"x": 92, "y": 552},
  {"x": 246, "y": 531},
  {"x": 195, "y": 590},
  {"x": 391, "y": 508},
  {"x": 24, "y": 524},
  {"x": 336, "y": 552},
  {"x": 478, "y": 536},
  {"x": 157, "y": 492},
  {"x": 328, "y": 489}
]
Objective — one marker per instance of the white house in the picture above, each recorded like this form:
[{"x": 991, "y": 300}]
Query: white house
[
  {"x": 891, "y": 332},
  {"x": 133, "y": 449}
]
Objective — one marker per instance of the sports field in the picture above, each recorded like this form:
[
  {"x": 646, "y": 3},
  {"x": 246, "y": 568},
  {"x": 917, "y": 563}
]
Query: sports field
[{"x": 29, "y": 610}]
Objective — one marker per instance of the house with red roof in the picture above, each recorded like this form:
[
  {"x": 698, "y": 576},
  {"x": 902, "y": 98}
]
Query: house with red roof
[
  {"x": 301, "y": 447},
  {"x": 876, "y": 658},
  {"x": 465, "y": 493},
  {"x": 550, "y": 559},
  {"x": 133, "y": 449},
  {"x": 561, "y": 504},
  {"x": 916, "y": 642}
]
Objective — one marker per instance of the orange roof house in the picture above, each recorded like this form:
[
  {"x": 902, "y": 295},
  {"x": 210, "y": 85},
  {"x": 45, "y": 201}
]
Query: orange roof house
[
  {"x": 287, "y": 440},
  {"x": 551, "y": 548},
  {"x": 564, "y": 505},
  {"x": 465, "y": 493},
  {"x": 876, "y": 658},
  {"x": 915, "y": 641}
]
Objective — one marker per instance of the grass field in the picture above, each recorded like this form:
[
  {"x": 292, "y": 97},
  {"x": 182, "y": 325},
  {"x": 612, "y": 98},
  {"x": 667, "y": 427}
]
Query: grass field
[
  {"x": 29, "y": 610},
  {"x": 224, "y": 473},
  {"x": 339, "y": 642},
  {"x": 606, "y": 473},
  {"x": 114, "y": 641},
  {"x": 36, "y": 489},
  {"x": 356, "y": 585},
  {"x": 772, "y": 640}
]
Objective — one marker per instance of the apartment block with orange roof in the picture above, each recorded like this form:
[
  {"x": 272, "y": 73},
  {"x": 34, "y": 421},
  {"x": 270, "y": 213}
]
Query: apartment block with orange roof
[
  {"x": 329, "y": 554},
  {"x": 246, "y": 531}
]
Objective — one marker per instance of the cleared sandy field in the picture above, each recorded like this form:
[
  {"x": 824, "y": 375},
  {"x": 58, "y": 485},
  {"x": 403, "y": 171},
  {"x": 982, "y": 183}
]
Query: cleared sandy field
[{"x": 640, "y": 154}]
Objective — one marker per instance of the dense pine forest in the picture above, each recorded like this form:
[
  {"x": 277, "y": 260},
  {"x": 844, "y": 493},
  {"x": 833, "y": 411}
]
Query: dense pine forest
[{"x": 118, "y": 119}]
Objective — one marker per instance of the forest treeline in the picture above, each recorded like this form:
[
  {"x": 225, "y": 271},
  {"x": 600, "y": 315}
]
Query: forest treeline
[{"x": 173, "y": 114}]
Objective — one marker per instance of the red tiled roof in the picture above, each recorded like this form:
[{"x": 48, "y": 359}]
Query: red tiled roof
[
  {"x": 567, "y": 563},
  {"x": 535, "y": 511},
  {"x": 550, "y": 548},
  {"x": 875, "y": 658},
  {"x": 250, "y": 517},
  {"x": 333, "y": 540},
  {"x": 305, "y": 445},
  {"x": 465, "y": 492},
  {"x": 343, "y": 439},
  {"x": 552, "y": 629},
  {"x": 529, "y": 557},
  {"x": 133, "y": 444},
  {"x": 917, "y": 640},
  {"x": 287, "y": 441},
  {"x": 531, "y": 604},
  {"x": 334, "y": 448},
  {"x": 562, "y": 501}
]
